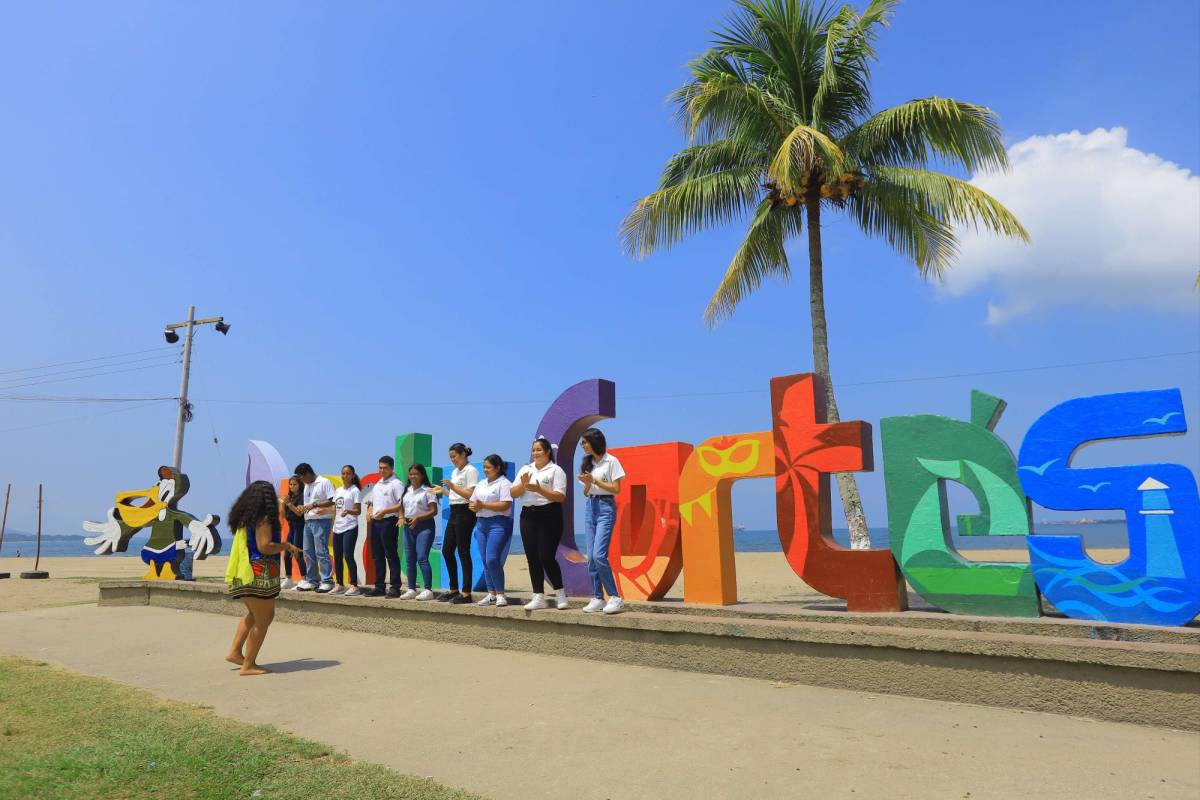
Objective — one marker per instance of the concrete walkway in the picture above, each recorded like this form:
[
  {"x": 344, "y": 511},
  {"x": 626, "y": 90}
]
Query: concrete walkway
[{"x": 513, "y": 725}]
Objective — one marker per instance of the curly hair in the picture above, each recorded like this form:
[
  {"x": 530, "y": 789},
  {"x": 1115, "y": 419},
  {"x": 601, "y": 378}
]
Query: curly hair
[{"x": 257, "y": 502}]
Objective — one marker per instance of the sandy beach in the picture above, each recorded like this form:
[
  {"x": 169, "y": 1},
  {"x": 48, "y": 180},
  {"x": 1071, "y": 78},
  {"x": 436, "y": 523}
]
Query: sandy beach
[{"x": 762, "y": 577}]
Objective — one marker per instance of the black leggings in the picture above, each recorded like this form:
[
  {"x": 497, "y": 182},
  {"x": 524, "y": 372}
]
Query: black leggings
[
  {"x": 343, "y": 553},
  {"x": 457, "y": 538},
  {"x": 295, "y": 536},
  {"x": 541, "y": 531}
]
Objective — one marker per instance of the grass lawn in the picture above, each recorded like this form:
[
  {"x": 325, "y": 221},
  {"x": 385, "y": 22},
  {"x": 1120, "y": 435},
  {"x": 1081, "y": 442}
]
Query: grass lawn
[{"x": 64, "y": 735}]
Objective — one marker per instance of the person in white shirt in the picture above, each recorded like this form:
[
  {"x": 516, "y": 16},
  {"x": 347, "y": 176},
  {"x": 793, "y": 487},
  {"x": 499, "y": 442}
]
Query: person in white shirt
[
  {"x": 383, "y": 515},
  {"x": 318, "y": 522},
  {"x": 542, "y": 486},
  {"x": 420, "y": 506},
  {"x": 601, "y": 476},
  {"x": 492, "y": 503},
  {"x": 347, "y": 505},
  {"x": 456, "y": 538}
]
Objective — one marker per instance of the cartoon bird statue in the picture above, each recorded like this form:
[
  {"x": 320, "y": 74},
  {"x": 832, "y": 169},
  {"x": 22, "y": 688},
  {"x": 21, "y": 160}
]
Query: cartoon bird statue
[{"x": 157, "y": 510}]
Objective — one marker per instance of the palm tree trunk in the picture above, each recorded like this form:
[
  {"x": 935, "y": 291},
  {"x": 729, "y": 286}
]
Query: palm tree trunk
[{"x": 856, "y": 521}]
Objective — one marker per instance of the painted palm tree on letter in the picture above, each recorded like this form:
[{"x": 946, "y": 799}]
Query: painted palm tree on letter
[{"x": 778, "y": 112}]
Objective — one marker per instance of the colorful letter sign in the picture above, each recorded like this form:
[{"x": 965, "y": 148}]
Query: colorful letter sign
[
  {"x": 674, "y": 514},
  {"x": 1159, "y": 584},
  {"x": 921, "y": 453}
]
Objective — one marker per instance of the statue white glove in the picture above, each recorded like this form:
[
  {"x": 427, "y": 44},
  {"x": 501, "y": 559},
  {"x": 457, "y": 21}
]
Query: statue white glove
[
  {"x": 110, "y": 534},
  {"x": 202, "y": 541}
]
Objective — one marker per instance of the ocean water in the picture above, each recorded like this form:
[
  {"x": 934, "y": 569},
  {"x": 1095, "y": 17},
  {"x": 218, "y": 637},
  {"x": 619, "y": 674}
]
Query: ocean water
[{"x": 1098, "y": 535}]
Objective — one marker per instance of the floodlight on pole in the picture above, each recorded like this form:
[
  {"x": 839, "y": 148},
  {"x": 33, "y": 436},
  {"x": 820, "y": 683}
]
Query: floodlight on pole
[{"x": 185, "y": 408}]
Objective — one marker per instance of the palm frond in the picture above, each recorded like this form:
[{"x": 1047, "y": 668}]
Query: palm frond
[
  {"x": 890, "y": 212},
  {"x": 689, "y": 203},
  {"x": 761, "y": 255},
  {"x": 719, "y": 156},
  {"x": 805, "y": 149},
  {"x": 954, "y": 200},
  {"x": 908, "y": 134},
  {"x": 723, "y": 102},
  {"x": 917, "y": 212}
]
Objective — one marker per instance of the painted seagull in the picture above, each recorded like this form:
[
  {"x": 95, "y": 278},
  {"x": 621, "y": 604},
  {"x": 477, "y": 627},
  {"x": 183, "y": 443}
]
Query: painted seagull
[
  {"x": 1095, "y": 487},
  {"x": 1163, "y": 419},
  {"x": 1042, "y": 469}
]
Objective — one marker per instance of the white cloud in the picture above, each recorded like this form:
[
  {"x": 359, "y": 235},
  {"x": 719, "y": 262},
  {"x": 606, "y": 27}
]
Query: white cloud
[{"x": 1110, "y": 226}]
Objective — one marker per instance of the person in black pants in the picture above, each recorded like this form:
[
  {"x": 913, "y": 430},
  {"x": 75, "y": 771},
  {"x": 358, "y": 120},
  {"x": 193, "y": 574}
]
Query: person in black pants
[
  {"x": 290, "y": 505},
  {"x": 383, "y": 510},
  {"x": 456, "y": 539},
  {"x": 542, "y": 486}
]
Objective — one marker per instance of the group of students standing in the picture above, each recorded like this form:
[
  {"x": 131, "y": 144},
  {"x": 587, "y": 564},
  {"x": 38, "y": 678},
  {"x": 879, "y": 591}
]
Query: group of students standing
[{"x": 479, "y": 506}]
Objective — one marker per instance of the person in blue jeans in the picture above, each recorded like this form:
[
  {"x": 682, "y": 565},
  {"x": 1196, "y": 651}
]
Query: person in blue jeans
[
  {"x": 318, "y": 523},
  {"x": 492, "y": 503},
  {"x": 420, "y": 506},
  {"x": 601, "y": 476}
]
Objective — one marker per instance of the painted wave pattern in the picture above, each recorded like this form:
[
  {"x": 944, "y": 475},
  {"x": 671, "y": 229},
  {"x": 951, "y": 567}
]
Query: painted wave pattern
[{"x": 1103, "y": 585}]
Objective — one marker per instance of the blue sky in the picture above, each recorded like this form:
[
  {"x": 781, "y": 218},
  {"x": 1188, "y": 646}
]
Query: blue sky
[{"x": 413, "y": 204}]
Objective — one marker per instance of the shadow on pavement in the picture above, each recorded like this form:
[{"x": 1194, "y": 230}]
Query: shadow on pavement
[{"x": 301, "y": 665}]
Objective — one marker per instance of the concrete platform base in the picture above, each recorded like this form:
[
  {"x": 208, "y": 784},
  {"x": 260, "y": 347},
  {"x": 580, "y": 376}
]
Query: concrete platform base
[{"x": 1123, "y": 673}]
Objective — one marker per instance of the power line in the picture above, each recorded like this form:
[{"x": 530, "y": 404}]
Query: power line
[
  {"x": 89, "y": 368},
  {"x": 76, "y": 419},
  {"x": 95, "y": 375},
  {"x": 490, "y": 401},
  {"x": 46, "y": 398},
  {"x": 86, "y": 360}
]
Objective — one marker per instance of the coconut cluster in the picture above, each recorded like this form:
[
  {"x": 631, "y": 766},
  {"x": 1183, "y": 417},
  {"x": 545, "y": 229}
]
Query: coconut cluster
[{"x": 839, "y": 190}]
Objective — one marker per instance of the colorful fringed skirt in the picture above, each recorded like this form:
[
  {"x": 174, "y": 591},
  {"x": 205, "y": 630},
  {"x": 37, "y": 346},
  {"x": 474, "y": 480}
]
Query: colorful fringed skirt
[{"x": 265, "y": 585}]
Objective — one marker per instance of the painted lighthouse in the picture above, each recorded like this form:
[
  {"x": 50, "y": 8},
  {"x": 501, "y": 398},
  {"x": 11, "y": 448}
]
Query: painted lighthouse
[{"x": 1162, "y": 554}]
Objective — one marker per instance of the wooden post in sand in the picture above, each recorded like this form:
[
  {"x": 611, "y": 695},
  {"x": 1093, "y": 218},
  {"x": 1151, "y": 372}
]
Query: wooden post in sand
[
  {"x": 4, "y": 524},
  {"x": 36, "y": 573}
]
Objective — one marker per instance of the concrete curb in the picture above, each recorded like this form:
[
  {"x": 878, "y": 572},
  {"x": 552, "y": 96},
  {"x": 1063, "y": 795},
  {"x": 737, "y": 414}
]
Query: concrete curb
[{"x": 1056, "y": 666}]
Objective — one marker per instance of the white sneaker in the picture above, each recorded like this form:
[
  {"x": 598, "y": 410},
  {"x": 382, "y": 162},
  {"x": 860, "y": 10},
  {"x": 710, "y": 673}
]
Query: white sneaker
[
  {"x": 286, "y": 583},
  {"x": 325, "y": 588},
  {"x": 560, "y": 599},
  {"x": 409, "y": 595},
  {"x": 487, "y": 600},
  {"x": 501, "y": 601},
  {"x": 536, "y": 602},
  {"x": 615, "y": 605},
  {"x": 425, "y": 595},
  {"x": 304, "y": 586},
  {"x": 595, "y": 605}
]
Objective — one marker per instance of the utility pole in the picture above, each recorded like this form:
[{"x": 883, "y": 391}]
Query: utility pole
[
  {"x": 185, "y": 408},
  {"x": 35, "y": 573}
]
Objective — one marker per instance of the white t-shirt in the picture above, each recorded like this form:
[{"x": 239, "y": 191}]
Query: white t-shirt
[
  {"x": 319, "y": 490},
  {"x": 463, "y": 477},
  {"x": 497, "y": 491},
  {"x": 607, "y": 469},
  {"x": 345, "y": 498},
  {"x": 418, "y": 501},
  {"x": 549, "y": 477},
  {"x": 386, "y": 494}
]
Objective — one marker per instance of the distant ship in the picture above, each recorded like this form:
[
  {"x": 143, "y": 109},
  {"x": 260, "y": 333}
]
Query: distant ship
[{"x": 738, "y": 528}]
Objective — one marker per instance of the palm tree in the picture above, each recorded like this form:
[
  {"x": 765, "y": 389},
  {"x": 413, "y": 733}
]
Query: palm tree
[{"x": 778, "y": 117}]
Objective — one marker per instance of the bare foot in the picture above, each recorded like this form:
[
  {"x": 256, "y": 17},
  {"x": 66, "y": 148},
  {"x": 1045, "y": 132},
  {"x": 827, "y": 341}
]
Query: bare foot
[
  {"x": 253, "y": 669},
  {"x": 235, "y": 658}
]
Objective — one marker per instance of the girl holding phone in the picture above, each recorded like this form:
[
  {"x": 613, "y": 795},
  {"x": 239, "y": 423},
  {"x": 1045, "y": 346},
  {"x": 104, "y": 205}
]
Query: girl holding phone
[{"x": 600, "y": 476}]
